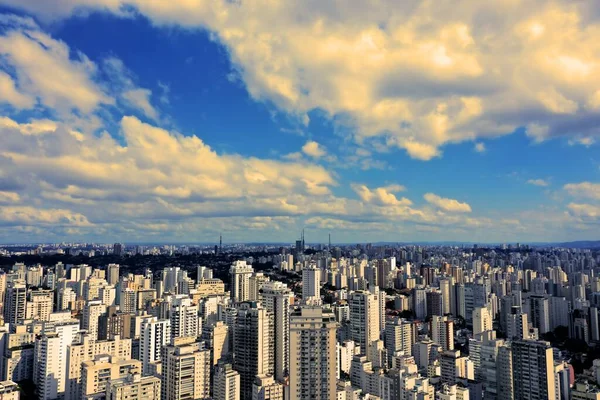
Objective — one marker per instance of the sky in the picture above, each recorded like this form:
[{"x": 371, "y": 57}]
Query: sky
[{"x": 375, "y": 120}]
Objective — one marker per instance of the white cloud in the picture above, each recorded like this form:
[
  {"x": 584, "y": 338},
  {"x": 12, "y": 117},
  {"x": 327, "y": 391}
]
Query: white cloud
[
  {"x": 44, "y": 69},
  {"x": 446, "y": 204},
  {"x": 313, "y": 149},
  {"x": 538, "y": 182},
  {"x": 140, "y": 99},
  {"x": 422, "y": 74},
  {"x": 480, "y": 147},
  {"x": 11, "y": 95},
  {"x": 381, "y": 196},
  {"x": 584, "y": 189}
]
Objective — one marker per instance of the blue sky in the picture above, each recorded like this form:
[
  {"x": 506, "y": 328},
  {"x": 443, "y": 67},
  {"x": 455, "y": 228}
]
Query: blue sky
[{"x": 127, "y": 121}]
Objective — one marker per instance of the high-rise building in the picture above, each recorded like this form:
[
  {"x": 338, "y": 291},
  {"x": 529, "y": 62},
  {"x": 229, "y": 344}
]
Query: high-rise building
[
  {"x": 266, "y": 388},
  {"x": 134, "y": 387},
  {"x": 118, "y": 249},
  {"x": 184, "y": 318},
  {"x": 533, "y": 370},
  {"x": 39, "y": 305},
  {"x": 226, "y": 383},
  {"x": 253, "y": 347},
  {"x": 516, "y": 324},
  {"x": 185, "y": 370},
  {"x": 112, "y": 274},
  {"x": 256, "y": 282},
  {"x": 91, "y": 317},
  {"x": 442, "y": 331},
  {"x": 154, "y": 334},
  {"x": 96, "y": 374},
  {"x": 364, "y": 319},
  {"x": 311, "y": 284},
  {"x": 50, "y": 359},
  {"x": 86, "y": 349},
  {"x": 400, "y": 336},
  {"x": 15, "y": 302},
  {"x": 277, "y": 299},
  {"x": 240, "y": 280},
  {"x": 504, "y": 373},
  {"x": 312, "y": 354},
  {"x": 217, "y": 337},
  {"x": 482, "y": 320},
  {"x": 539, "y": 313}
]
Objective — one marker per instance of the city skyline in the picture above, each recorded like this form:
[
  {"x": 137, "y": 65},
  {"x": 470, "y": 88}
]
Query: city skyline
[{"x": 136, "y": 121}]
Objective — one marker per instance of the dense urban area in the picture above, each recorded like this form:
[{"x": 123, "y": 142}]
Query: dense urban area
[{"x": 381, "y": 321}]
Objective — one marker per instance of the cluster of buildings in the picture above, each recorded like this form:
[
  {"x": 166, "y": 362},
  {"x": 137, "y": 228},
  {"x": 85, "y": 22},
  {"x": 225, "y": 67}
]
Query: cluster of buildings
[{"x": 415, "y": 325}]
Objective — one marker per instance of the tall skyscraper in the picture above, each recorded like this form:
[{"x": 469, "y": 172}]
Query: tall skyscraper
[
  {"x": 482, "y": 320},
  {"x": 226, "y": 383},
  {"x": 539, "y": 307},
  {"x": 442, "y": 332},
  {"x": 184, "y": 318},
  {"x": 186, "y": 370},
  {"x": 15, "y": 302},
  {"x": 400, "y": 335},
  {"x": 364, "y": 319},
  {"x": 240, "y": 280},
  {"x": 118, "y": 249},
  {"x": 154, "y": 335},
  {"x": 312, "y": 354},
  {"x": 533, "y": 370},
  {"x": 91, "y": 317},
  {"x": 277, "y": 299},
  {"x": 311, "y": 284},
  {"x": 253, "y": 347},
  {"x": 112, "y": 274}
]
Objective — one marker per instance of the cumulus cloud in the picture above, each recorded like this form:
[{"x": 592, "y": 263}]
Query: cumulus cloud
[
  {"x": 446, "y": 204},
  {"x": 313, "y": 149},
  {"x": 538, "y": 182},
  {"x": 382, "y": 196},
  {"x": 584, "y": 189},
  {"x": 480, "y": 147},
  {"x": 11, "y": 95},
  {"x": 44, "y": 69},
  {"x": 140, "y": 99},
  {"x": 422, "y": 74}
]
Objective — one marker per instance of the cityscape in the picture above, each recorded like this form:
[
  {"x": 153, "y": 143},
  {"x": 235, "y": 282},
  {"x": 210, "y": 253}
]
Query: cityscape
[
  {"x": 299, "y": 200},
  {"x": 301, "y": 321}
]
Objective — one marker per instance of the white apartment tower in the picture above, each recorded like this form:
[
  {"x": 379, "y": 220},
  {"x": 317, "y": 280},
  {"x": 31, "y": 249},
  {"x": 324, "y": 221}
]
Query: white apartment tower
[
  {"x": 533, "y": 370},
  {"x": 311, "y": 284},
  {"x": 253, "y": 348},
  {"x": 312, "y": 354},
  {"x": 154, "y": 335},
  {"x": 441, "y": 330},
  {"x": 15, "y": 302},
  {"x": 91, "y": 316},
  {"x": 226, "y": 383},
  {"x": 184, "y": 318},
  {"x": 240, "y": 280},
  {"x": 186, "y": 370},
  {"x": 364, "y": 319},
  {"x": 277, "y": 299}
]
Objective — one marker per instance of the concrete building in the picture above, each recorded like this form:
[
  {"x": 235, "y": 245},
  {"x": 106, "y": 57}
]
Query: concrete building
[
  {"x": 186, "y": 370},
  {"x": 312, "y": 353},
  {"x": 266, "y": 388},
  {"x": 183, "y": 318},
  {"x": 134, "y": 387},
  {"x": 240, "y": 274},
  {"x": 533, "y": 370},
  {"x": 253, "y": 345},
  {"x": 364, "y": 319},
  {"x": 277, "y": 299},
  {"x": 96, "y": 374},
  {"x": 226, "y": 383},
  {"x": 441, "y": 330},
  {"x": 311, "y": 284},
  {"x": 154, "y": 335}
]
